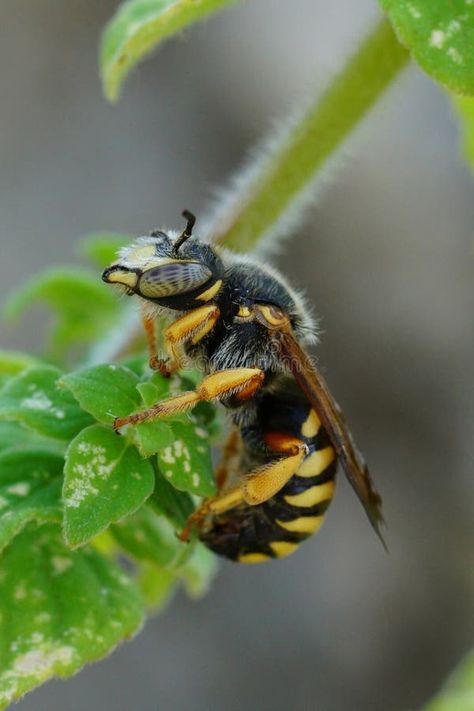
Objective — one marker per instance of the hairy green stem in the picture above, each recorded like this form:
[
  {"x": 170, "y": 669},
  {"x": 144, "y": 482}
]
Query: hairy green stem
[{"x": 287, "y": 171}]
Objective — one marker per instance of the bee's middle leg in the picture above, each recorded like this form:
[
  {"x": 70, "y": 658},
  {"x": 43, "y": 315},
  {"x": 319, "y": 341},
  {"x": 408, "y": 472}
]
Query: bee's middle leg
[
  {"x": 241, "y": 382},
  {"x": 229, "y": 461}
]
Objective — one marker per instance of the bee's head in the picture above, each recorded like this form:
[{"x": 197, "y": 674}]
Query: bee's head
[{"x": 177, "y": 272}]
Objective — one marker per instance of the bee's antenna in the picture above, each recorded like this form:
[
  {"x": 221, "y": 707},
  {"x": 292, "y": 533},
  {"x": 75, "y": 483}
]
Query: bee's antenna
[{"x": 187, "y": 232}]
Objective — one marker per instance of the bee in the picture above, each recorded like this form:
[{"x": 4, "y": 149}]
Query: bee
[{"x": 246, "y": 328}]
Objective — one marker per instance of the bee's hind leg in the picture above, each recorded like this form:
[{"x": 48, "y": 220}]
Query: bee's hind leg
[{"x": 256, "y": 487}]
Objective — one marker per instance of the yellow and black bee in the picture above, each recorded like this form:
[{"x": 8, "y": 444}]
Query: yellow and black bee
[{"x": 243, "y": 325}]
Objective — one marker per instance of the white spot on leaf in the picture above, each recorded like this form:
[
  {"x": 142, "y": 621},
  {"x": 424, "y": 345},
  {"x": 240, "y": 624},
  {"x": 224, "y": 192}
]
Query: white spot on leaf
[
  {"x": 178, "y": 448},
  {"x": 20, "y": 591},
  {"x": 39, "y": 401},
  {"x": 437, "y": 39},
  {"x": 60, "y": 563},
  {"x": 42, "y": 618},
  {"x": 41, "y": 661},
  {"x": 167, "y": 456},
  {"x": 85, "y": 474},
  {"x": 454, "y": 54},
  {"x": 20, "y": 489},
  {"x": 414, "y": 12},
  {"x": 454, "y": 26}
]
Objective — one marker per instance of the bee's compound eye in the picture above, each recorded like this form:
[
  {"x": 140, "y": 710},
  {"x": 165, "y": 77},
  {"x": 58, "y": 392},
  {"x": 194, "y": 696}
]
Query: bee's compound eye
[{"x": 175, "y": 277}]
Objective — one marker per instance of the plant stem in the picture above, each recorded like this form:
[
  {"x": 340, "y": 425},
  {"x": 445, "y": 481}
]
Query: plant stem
[{"x": 287, "y": 171}]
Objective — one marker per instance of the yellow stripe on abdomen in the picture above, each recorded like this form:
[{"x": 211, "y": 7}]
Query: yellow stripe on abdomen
[
  {"x": 316, "y": 462},
  {"x": 283, "y": 548},
  {"x": 253, "y": 558},
  {"x": 303, "y": 524},
  {"x": 311, "y": 425},
  {"x": 312, "y": 496}
]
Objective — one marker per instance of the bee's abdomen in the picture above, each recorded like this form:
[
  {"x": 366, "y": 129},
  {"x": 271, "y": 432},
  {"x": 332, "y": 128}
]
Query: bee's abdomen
[{"x": 274, "y": 529}]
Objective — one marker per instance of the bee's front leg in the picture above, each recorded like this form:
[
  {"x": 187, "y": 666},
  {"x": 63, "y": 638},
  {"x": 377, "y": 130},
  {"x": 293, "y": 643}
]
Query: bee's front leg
[{"x": 193, "y": 326}]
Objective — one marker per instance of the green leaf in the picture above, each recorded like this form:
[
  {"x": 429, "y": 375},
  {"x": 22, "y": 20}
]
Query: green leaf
[
  {"x": 465, "y": 108},
  {"x": 14, "y": 436},
  {"x": 152, "y": 541},
  {"x": 151, "y": 538},
  {"x": 84, "y": 307},
  {"x": 458, "y": 693},
  {"x": 138, "y": 27},
  {"x": 34, "y": 400},
  {"x": 151, "y": 437},
  {"x": 102, "y": 247},
  {"x": 440, "y": 36},
  {"x": 186, "y": 462},
  {"x": 12, "y": 363},
  {"x": 175, "y": 505},
  {"x": 157, "y": 586},
  {"x": 110, "y": 391},
  {"x": 182, "y": 442},
  {"x": 185, "y": 459},
  {"x": 199, "y": 571},
  {"x": 137, "y": 363},
  {"x": 30, "y": 490},
  {"x": 105, "y": 391},
  {"x": 59, "y": 609},
  {"x": 105, "y": 479}
]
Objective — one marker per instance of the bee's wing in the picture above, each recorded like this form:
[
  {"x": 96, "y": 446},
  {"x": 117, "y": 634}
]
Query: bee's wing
[{"x": 314, "y": 387}]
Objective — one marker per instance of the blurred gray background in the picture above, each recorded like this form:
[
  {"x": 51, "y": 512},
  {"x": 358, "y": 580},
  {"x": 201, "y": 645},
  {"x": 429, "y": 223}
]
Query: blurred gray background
[{"x": 387, "y": 262}]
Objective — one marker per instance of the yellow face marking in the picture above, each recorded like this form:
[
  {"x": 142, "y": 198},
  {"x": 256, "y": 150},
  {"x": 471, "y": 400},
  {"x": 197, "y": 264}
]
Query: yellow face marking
[
  {"x": 283, "y": 548},
  {"x": 123, "y": 277},
  {"x": 273, "y": 315},
  {"x": 211, "y": 292},
  {"x": 303, "y": 524},
  {"x": 311, "y": 425},
  {"x": 244, "y": 312},
  {"x": 316, "y": 462},
  {"x": 312, "y": 496},
  {"x": 253, "y": 558}
]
